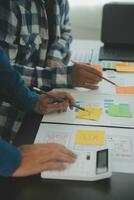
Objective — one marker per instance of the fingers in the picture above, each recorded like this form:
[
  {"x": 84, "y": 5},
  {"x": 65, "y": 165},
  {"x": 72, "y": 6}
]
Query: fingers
[
  {"x": 70, "y": 100},
  {"x": 55, "y": 107},
  {"x": 39, "y": 157},
  {"x": 91, "y": 86},
  {"x": 53, "y": 166},
  {"x": 56, "y": 152},
  {"x": 86, "y": 76},
  {"x": 54, "y": 63},
  {"x": 46, "y": 104}
]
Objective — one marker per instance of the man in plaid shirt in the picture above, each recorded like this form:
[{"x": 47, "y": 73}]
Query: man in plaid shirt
[{"x": 38, "y": 45}]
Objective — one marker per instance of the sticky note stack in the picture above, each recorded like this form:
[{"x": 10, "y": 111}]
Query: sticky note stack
[{"x": 92, "y": 137}]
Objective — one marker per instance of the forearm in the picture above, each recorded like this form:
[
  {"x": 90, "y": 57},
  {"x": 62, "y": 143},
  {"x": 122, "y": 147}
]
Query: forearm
[
  {"x": 16, "y": 92},
  {"x": 10, "y": 158},
  {"x": 13, "y": 88}
]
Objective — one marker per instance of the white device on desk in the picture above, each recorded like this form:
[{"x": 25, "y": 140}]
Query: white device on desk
[{"x": 90, "y": 165}]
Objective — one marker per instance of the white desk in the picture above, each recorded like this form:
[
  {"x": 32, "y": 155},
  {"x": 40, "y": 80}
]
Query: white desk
[
  {"x": 94, "y": 100},
  {"x": 97, "y": 97},
  {"x": 119, "y": 130},
  {"x": 88, "y": 51}
]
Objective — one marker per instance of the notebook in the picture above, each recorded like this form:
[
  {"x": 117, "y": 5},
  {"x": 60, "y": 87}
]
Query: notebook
[{"x": 117, "y": 32}]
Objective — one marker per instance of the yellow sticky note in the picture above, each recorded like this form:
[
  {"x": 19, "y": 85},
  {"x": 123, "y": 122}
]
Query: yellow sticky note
[
  {"x": 124, "y": 68},
  {"x": 90, "y": 113},
  {"x": 125, "y": 90},
  {"x": 90, "y": 137}
]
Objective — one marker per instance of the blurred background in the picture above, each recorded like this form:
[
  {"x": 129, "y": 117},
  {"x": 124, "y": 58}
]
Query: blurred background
[{"x": 86, "y": 15}]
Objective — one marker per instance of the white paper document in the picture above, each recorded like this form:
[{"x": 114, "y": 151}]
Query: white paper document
[
  {"x": 119, "y": 140},
  {"x": 98, "y": 101}
]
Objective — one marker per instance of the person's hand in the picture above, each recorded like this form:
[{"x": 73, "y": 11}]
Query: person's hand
[
  {"x": 46, "y": 104},
  {"x": 55, "y": 63},
  {"x": 85, "y": 75},
  {"x": 41, "y": 157}
]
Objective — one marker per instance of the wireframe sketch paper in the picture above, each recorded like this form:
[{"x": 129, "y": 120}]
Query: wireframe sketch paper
[{"x": 119, "y": 140}]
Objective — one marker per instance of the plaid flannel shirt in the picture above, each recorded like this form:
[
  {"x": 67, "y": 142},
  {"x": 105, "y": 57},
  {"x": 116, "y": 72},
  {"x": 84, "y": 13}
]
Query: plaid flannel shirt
[{"x": 24, "y": 34}]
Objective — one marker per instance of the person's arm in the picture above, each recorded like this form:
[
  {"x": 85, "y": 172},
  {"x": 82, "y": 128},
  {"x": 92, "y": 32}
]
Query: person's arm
[
  {"x": 13, "y": 87},
  {"x": 10, "y": 158},
  {"x": 40, "y": 77},
  {"x": 32, "y": 159},
  {"x": 59, "y": 49},
  {"x": 67, "y": 77},
  {"x": 13, "y": 90}
]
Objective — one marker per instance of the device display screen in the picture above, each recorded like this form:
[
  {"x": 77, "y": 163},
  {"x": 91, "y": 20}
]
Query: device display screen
[{"x": 102, "y": 161}]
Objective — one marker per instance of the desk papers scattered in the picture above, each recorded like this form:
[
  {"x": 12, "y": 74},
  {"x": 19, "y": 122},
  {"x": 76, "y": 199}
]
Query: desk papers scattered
[
  {"x": 90, "y": 113},
  {"x": 92, "y": 137},
  {"x": 119, "y": 110}
]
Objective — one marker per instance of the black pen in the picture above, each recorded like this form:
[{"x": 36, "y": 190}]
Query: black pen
[
  {"x": 56, "y": 99},
  {"x": 108, "y": 69}
]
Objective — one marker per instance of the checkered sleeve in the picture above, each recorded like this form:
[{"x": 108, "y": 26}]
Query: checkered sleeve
[
  {"x": 46, "y": 77},
  {"x": 41, "y": 77},
  {"x": 8, "y": 28},
  {"x": 60, "y": 48}
]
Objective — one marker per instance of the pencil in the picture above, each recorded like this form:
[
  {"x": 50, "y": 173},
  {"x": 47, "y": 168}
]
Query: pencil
[
  {"x": 98, "y": 74},
  {"x": 56, "y": 99},
  {"x": 91, "y": 55}
]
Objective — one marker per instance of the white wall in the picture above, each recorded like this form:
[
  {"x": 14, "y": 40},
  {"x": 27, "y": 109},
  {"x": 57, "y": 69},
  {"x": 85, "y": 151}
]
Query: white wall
[{"x": 86, "y": 21}]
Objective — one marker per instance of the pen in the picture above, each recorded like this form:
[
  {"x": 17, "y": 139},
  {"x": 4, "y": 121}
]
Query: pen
[
  {"x": 56, "y": 99},
  {"x": 91, "y": 55},
  {"x": 108, "y": 69},
  {"x": 98, "y": 75}
]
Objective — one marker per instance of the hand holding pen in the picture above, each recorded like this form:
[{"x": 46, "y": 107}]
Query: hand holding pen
[
  {"x": 94, "y": 74},
  {"x": 84, "y": 75},
  {"x": 54, "y": 101}
]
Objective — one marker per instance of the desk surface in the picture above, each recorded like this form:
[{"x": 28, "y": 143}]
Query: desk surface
[{"x": 120, "y": 186}]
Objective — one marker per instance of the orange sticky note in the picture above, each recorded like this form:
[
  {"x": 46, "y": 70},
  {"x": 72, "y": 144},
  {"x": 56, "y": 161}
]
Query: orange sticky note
[
  {"x": 125, "y": 64},
  {"x": 124, "y": 68},
  {"x": 125, "y": 90}
]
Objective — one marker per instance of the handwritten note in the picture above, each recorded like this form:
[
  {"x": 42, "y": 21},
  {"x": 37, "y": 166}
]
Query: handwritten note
[
  {"x": 90, "y": 113},
  {"x": 121, "y": 110},
  {"x": 86, "y": 137},
  {"x": 125, "y": 90}
]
